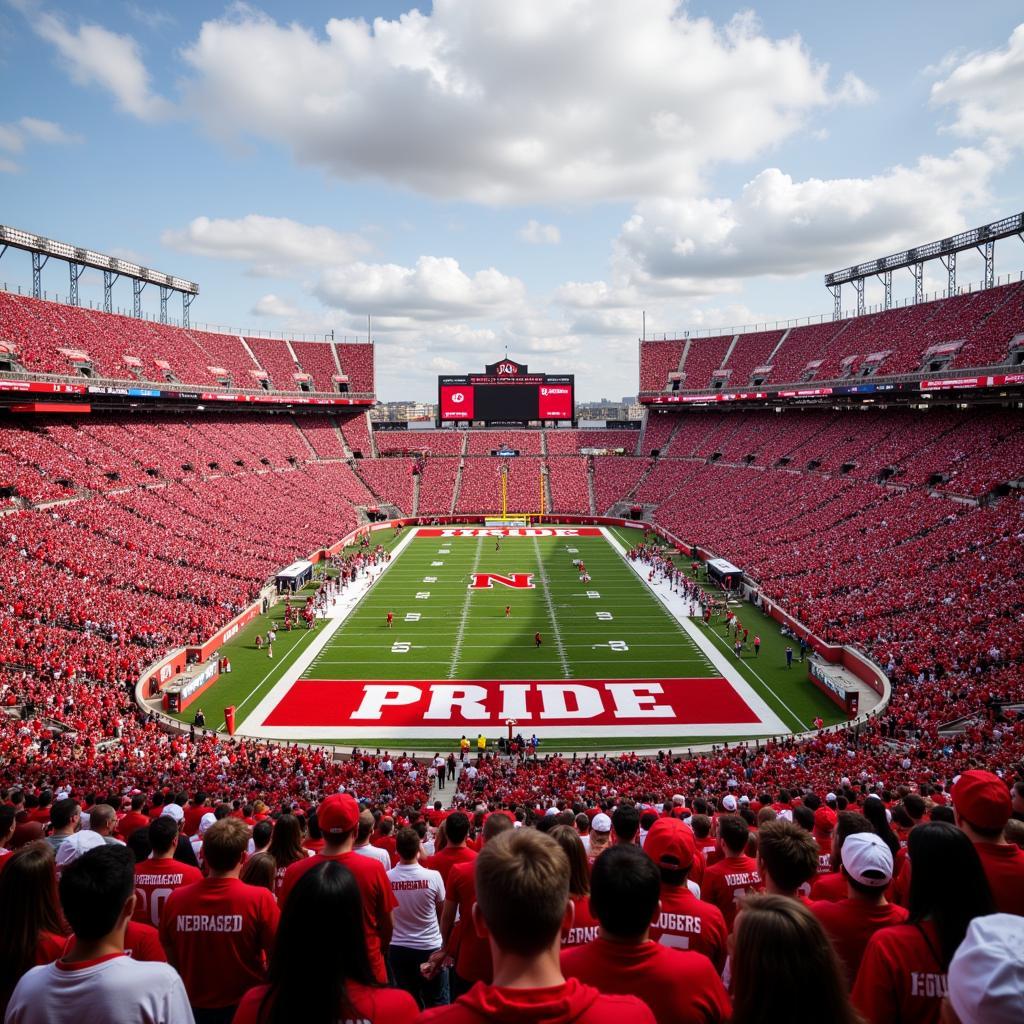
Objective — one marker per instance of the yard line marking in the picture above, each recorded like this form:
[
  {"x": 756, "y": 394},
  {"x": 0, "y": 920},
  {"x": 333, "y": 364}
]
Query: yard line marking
[
  {"x": 559, "y": 646},
  {"x": 461, "y": 632}
]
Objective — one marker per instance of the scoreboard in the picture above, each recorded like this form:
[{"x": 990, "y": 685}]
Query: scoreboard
[{"x": 505, "y": 393}]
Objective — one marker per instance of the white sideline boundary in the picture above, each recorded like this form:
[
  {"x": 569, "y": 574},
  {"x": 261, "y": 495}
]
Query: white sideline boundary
[
  {"x": 681, "y": 610},
  {"x": 674, "y": 604},
  {"x": 341, "y": 608}
]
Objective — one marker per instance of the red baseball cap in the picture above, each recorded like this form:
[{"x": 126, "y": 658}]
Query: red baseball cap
[
  {"x": 670, "y": 844},
  {"x": 824, "y": 819},
  {"x": 338, "y": 813},
  {"x": 982, "y": 799}
]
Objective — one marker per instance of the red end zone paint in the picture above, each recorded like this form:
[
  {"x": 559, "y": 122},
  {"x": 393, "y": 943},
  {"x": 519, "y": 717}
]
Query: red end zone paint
[
  {"x": 511, "y": 531},
  {"x": 613, "y": 702}
]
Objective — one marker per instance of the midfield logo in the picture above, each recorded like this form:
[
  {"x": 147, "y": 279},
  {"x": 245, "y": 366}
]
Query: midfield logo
[{"x": 517, "y": 581}]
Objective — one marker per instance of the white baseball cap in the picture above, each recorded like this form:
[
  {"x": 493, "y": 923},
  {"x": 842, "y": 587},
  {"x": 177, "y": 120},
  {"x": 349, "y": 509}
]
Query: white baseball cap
[
  {"x": 75, "y": 845},
  {"x": 867, "y": 859},
  {"x": 601, "y": 823},
  {"x": 729, "y": 802},
  {"x": 986, "y": 975},
  {"x": 174, "y": 812},
  {"x": 206, "y": 821}
]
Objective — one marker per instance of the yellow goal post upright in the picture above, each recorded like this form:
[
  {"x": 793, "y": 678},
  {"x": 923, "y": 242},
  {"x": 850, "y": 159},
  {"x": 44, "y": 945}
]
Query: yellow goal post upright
[{"x": 520, "y": 517}]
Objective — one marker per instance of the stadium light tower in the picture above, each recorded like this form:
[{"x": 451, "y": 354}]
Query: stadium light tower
[
  {"x": 983, "y": 239},
  {"x": 43, "y": 249}
]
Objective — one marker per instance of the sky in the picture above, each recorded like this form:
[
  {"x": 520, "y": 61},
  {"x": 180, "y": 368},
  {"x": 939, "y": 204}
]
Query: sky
[{"x": 479, "y": 176}]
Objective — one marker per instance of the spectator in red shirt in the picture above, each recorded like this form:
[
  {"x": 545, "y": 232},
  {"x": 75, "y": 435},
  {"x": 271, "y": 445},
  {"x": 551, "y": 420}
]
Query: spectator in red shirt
[
  {"x": 584, "y": 924},
  {"x": 459, "y": 939},
  {"x": 522, "y": 879},
  {"x": 133, "y": 819},
  {"x": 735, "y": 875},
  {"x": 787, "y": 858},
  {"x": 338, "y": 818},
  {"x": 456, "y": 832},
  {"x": 32, "y": 928},
  {"x": 320, "y": 973},
  {"x": 683, "y": 920},
  {"x": 982, "y": 805},
  {"x": 160, "y": 875},
  {"x": 679, "y": 986},
  {"x": 783, "y": 967},
  {"x": 902, "y": 976},
  {"x": 833, "y": 885},
  {"x": 850, "y": 923},
  {"x": 218, "y": 931},
  {"x": 7, "y": 827}
]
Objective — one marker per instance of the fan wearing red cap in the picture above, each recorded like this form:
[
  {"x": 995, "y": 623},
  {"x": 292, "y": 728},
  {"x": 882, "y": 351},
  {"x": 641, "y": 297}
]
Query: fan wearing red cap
[
  {"x": 982, "y": 805},
  {"x": 338, "y": 818},
  {"x": 824, "y": 825},
  {"x": 685, "y": 922}
]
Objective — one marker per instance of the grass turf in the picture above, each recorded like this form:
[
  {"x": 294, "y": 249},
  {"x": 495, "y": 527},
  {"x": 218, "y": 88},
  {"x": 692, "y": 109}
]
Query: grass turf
[{"x": 464, "y": 634}]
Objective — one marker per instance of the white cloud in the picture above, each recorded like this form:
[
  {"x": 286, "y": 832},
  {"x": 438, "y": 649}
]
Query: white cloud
[
  {"x": 8, "y": 166},
  {"x": 436, "y": 288},
  {"x": 854, "y": 91},
  {"x": 622, "y": 99},
  {"x": 271, "y": 305},
  {"x": 540, "y": 234},
  {"x": 778, "y": 226},
  {"x": 987, "y": 90},
  {"x": 47, "y": 131},
  {"x": 14, "y": 137},
  {"x": 273, "y": 246},
  {"x": 93, "y": 55}
]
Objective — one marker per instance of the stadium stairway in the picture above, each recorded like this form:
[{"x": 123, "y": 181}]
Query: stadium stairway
[
  {"x": 592, "y": 497},
  {"x": 416, "y": 494},
  {"x": 457, "y": 487}
]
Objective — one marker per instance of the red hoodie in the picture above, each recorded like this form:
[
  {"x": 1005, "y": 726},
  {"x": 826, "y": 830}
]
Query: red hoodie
[{"x": 571, "y": 1003}]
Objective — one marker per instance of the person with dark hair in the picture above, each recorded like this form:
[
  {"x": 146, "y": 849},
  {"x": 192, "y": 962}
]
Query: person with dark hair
[
  {"x": 320, "y": 970},
  {"x": 262, "y": 834},
  {"x": 420, "y": 895},
  {"x": 217, "y": 931},
  {"x": 625, "y": 823},
  {"x": 522, "y": 889},
  {"x": 783, "y": 967},
  {"x": 134, "y": 818},
  {"x": 338, "y": 818},
  {"x": 30, "y": 922},
  {"x": 65, "y": 818},
  {"x": 285, "y": 847},
  {"x": 850, "y": 923},
  {"x": 160, "y": 875},
  {"x": 459, "y": 939},
  {"x": 902, "y": 975},
  {"x": 456, "y": 850},
  {"x": 678, "y": 985},
  {"x": 735, "y": 875},
  {"x": 95, "y": 980},
  {"x": 584, "y": 924},
  {"x": 259, "y": 870},
  {"x": 8, "y": 823},
  {"x": 683, "y": 920}
]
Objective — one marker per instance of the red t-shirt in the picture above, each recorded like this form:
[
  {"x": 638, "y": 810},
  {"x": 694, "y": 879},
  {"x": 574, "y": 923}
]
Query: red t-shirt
[
  {"x": 141, "y": 942},
  {"x": 130, "y": 822},
  {"x": 1004, "y": 869},
  {"x": 584, "y": 924},
  {"x": 850, "y": 923},
  {"x": 447, "y": 858},
  {"x": 193, "y": 815},
  {"x": 218, "y": 933},
  {"x": 686, "y": 922},
  {"x": 473, "y": 959},
  {"x": 155, "y": 880},
  {"x": 378, "y": 899},
  {"x": 727, "y": 882},
  {"x": 900, "y": 977},
  {"x": 831, "y": 887},
  {"x": 580, "y": 1004},
  {"x": 371, "y": 1005},
  {"x": 680, "y": 987}
]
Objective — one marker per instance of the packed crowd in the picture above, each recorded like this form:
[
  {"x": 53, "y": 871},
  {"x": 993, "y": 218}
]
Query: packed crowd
[{"x": 859, "y": 905}]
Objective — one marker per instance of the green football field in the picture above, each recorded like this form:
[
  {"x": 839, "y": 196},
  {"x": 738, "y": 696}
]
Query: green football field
[{"x": 446, "y": 633}]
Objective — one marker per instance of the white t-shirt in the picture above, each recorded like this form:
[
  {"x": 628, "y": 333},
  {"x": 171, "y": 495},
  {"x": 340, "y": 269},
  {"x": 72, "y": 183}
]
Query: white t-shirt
[
  {"x": 420, "y": 894},
  {"x": 117, "y": 991},
  {"x": 375, "y": 853}
]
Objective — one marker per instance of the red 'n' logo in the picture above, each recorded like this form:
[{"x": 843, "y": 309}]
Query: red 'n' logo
[{"x": 486, "y": 580}]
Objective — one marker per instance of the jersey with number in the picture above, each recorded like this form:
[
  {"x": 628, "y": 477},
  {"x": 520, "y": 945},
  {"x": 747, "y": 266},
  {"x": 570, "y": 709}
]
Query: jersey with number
[
  {"x": 728, "y": 882},
  {"x": 686, "y": 922},
  {"x": 155, "y": 880}
]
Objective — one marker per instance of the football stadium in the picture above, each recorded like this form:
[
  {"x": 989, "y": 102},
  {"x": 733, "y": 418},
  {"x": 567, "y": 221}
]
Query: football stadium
[{"x": 360, "y": 664}]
